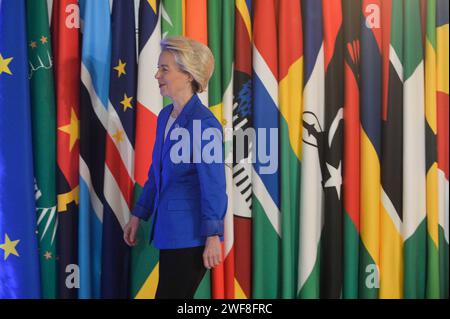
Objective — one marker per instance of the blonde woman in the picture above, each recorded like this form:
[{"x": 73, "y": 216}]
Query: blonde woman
[{"x": 185, "y": 194}]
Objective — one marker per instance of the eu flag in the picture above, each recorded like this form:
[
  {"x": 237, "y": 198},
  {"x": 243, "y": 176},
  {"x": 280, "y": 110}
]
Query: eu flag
[{"x": 19, "y": 265}]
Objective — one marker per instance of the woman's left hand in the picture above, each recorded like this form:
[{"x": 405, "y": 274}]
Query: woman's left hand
[{"x": 212, "y": 255}]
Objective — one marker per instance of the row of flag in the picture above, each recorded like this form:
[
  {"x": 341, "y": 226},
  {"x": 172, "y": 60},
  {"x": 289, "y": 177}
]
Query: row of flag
[{"x": 355, "y": 92}]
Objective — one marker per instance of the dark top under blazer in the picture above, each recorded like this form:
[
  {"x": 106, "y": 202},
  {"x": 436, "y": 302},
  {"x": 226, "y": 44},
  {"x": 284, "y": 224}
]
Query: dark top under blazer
[{"x": 187, "y": 201}]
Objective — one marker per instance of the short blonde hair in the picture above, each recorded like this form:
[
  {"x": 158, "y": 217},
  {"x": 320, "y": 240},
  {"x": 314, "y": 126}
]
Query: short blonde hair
[{"x": 192, "y": 57}]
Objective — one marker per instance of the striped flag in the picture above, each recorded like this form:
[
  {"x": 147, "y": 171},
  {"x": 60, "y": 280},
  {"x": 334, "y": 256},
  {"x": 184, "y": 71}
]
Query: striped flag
[
  {"x": 391, "y": 209},
  {"x": 442, "y": 70},
  {"x": 311, "y": 190},
  {"x": 371, "y": 80},
  {"x": 242, "y": 170},
  {"x": 173, "y": 15},
  {"x": 265, "y": 175},
  {"x": 221, "y": 42},
  {"x": 66, "y": 45},
  {"x": 119, "y": 165},
  {"x": 351, "y": 162},
  {"x": 432, "y": 289},
  {"x": 331, "y": 259},
  {"x": 43, "y": 113},
  {"x": 196, "y": 27},
  {"x": 144, "y": 258},
  {"x": 19, "y": 261},
  {"x": 290, "y": 83},
  {"x": 414, "y": 201},
  {"x": 95, "y": 70}
]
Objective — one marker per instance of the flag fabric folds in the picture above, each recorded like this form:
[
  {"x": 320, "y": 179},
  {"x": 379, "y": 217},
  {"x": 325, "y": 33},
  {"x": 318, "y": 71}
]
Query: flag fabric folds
[
  {"x": 43, "y": 114},
  {"x": 242, "y": 170},
  {"x": 331, "y": 259},
  {"x": 335, "y": 124},
  {"x": 144, "y": 258},
  {"x": 442, "y": 71},
  {"x": 19, "y": 263},
  {"x": 266, "y": 230},
  {"x": 352, "y": 15},
  {"x": 95, "y": 70},
  {"x": 311, "y": 189},
  {"x": 66, "y": 51},
  {"x": 119, "y": 158}
]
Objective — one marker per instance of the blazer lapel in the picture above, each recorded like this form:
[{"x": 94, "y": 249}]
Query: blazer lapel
[
  {"x": 160, "y": 137},
  {"x": 181, "y": 121}
]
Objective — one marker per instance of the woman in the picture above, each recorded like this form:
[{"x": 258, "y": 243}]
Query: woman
[{"x": 187, "y": 200}]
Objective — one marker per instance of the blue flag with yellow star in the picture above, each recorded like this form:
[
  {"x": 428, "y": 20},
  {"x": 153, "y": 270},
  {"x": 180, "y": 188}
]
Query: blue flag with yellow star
[{"x": 19, "y": 264}]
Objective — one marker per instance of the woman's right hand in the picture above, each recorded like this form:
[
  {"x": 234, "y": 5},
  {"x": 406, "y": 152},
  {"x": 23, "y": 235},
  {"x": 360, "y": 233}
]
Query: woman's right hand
[{"x": 130, "y": 231}]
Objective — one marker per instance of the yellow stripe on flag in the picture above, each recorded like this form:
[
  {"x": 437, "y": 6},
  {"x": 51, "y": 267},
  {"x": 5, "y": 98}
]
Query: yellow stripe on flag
[
  {"x": 217, "y": 111},
  {"x": 370, "y": 197},
  {"x": 148, "y": 289},
  {"x": 243, "y": 10},
  {"x": 291, "y": 98},
  {"x": 152, "y": 4},
  {"x": 391, "y": 251}
]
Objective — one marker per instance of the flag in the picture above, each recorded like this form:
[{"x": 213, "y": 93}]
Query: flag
[
  {"x": 266, "y": 222},
  {"x": 144, "y": 258},
  {"x": 66, "y": 48},
  {"x": 442, "y": 54},
  {"x": 220, "y": 39},
  {"x": 95, "y": 70},
  {"x": 414, "y": 199},
  {"x": 43, "y": 114},
  {"x": 19, "y": 261},
  {"x": 371, "y": 83},
  {"x": 119, "y": 165},
  {"x": 290, "y": 83},
  {"x": 351, "y": 161},
  {"x": 172, "y": 23},
  {"x": 432, "y": 288},
  {"x": 331, "y": 259},
  {"x": 391, "y": 208},
  {"x": 242, "y": 170},
  {"x": 311, "y": 190},
  {"x": 196, "y": 27}
]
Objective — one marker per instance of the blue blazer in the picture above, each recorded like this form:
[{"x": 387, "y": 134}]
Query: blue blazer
[{"x": 187, "y": 201}]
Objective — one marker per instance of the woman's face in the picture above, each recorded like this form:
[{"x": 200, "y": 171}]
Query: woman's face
[{"x": 172, "y": 81}]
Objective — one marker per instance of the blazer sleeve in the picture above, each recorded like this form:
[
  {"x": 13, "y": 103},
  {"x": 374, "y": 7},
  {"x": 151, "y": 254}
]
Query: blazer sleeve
[
  {"x": 211, "y": 175},
  {"x": 144, "y": 206}
]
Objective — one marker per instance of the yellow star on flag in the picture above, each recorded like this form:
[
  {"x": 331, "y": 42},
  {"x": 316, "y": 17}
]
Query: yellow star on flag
[
  {"x": 4, "y": 65},
  {"x": 118, "y": 136},
  {"x": 43, "y": 40},
  {"x": 126, "y": 102},
  {"x": 33, "y": 45},
  {"x": 9, "y": 247},
  {"x": 72, "y": 129},
  {"x": 120, "y": 68},
  {"x": 48, "y": 255}
]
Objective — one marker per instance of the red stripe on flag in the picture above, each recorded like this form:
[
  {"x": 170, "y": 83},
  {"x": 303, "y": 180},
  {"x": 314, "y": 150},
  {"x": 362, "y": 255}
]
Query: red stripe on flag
[
  {"x": 351, "y": 177},
  {"x": 266, "y": 9},
  {"x": 145, "y": 140},
  {"x": 442, "y": 134},
  {"x": 118, "y": 170},
  {"x": 243, "y": 251},
  {"x": 291, "y": 50},
  {"x": 332, "y": 20},
  {"x": 243, "y": 62}
]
